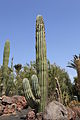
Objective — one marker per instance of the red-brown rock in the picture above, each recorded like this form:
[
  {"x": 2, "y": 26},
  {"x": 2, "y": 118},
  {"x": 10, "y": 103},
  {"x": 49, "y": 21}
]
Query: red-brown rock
[
  {"x": 6, "y": 100},
  {"x": 76, "y": 109},
  {"x": 12, "y": 104},
  {"x": 71, "y": 114},
  {"x": 5, "y": 110},
  {"x": 31, "y": 115},
  {"x": 1, "y": 109}
]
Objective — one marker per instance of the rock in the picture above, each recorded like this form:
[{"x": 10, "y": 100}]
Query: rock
[
  {"x": 0, "y": 100},
  {"x": 31, "y": 115},
  {"x": 5, "y": 110},
  {"x": 15, "y": 116},
  {"x": 10, "y": 105},
  {"x": 71, "y": 114},
  {"x": 55, "y": 111},
  {"x": 1, "y": 110},
  {"x": 39, "y": 116},
  {"x": 75, "y": 107},
  {"x": 19, "y": 106},
  {"x": 6, "y": 100},
  {"x": 19, "y": 100},
  {"x": 14, "y": 106},
  {"x": 76, "y": 110}
]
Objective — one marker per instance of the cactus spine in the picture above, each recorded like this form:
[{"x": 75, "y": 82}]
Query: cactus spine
[
  {"x": 41, "y": 60},
  {"x": 5, "y": 64}
]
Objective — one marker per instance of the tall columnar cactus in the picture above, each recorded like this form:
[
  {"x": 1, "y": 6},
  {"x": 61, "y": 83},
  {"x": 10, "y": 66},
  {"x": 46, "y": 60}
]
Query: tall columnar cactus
[
  {"x": 41, "y": 60},
  {"x": 37, "y": 95},
  {"x": 5, "y": 64}
]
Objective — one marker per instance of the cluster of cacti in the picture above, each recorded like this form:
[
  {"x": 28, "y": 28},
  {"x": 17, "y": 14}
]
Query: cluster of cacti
[
  {"x": 5, "y": 65},
  {"x": 41, "y": 66},
  {"x": 32, "y": 94}
]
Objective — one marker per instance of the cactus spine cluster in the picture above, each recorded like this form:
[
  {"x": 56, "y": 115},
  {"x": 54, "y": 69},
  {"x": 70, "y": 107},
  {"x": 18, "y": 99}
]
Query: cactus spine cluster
[
  {"x": 5, "y": 64},
  {"x": 38, "y": 94},
  {"x": 41, "y": 60}
]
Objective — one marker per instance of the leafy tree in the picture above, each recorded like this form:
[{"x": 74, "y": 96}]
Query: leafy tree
[{"x": 63, "y": 78}]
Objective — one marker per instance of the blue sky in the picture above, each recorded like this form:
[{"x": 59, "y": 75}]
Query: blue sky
[{"x": 62, "y": 26}]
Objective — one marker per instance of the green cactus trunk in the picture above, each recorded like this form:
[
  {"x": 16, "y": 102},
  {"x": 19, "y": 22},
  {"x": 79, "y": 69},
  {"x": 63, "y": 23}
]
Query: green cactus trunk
[
  {"x": 37, "y": 96},
  {"x": 5, "y": 64},
  {"x": 41, "y": 60}
]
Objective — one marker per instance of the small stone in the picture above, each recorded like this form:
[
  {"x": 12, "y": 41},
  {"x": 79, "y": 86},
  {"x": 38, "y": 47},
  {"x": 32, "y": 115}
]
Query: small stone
[
  {"x": 31, "y": 115},
  {"x": 6, "y": 100},
  {"x": 1, "y": 110},
  {"x": 39, "y": 116}
]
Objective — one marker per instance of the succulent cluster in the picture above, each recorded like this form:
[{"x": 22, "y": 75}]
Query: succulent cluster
[{"x": 36, "y": 93}]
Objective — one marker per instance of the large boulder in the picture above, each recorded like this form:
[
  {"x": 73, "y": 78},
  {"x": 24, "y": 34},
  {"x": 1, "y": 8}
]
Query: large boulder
[{"x": 55, "y": 111}]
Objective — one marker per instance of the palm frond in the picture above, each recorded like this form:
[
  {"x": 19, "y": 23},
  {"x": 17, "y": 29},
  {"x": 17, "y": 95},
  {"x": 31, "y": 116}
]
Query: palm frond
[
  {"x": 75, "y": 57},
  {"x": 71, "y": 64}
]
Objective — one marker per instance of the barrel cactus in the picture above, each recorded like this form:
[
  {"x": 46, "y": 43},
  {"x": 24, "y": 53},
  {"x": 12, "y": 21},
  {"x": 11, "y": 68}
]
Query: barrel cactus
[
  {"x": 5, "y": 65},
  {"x": 39, "y": 90}
]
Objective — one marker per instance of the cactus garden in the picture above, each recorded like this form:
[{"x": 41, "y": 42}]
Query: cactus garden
[{"x": 40, "y": 88}]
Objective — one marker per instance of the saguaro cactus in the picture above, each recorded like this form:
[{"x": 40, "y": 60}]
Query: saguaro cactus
[
  {"x": 38, "y": 95},
  {"x": 5, "y": 64},
  {"x": 41, "y": 60}
]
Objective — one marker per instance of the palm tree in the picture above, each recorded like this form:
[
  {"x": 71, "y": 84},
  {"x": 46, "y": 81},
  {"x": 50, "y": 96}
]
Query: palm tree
[{"x": 75, "y": 64}]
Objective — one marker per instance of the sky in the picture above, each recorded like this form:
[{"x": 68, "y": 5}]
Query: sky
[{"x": 62, "y": 29}]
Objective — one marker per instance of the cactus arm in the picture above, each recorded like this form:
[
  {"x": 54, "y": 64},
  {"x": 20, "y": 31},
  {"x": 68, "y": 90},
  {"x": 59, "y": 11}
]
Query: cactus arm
[
  {"x": 35, "y": 87},
  {"x": 32, "y": 101}
]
